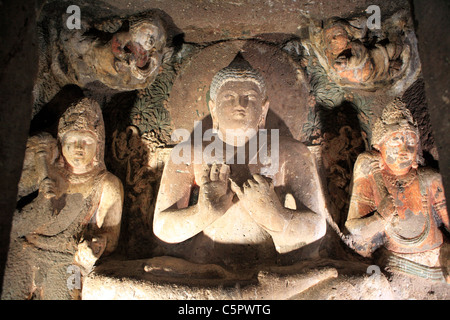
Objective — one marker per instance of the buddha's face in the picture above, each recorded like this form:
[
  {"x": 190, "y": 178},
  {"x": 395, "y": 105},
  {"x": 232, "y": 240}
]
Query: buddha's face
[
  {"x": 239, "y": 105},
  {"x": 79, "y": 149},
  {"x": 399, "y": 151}
]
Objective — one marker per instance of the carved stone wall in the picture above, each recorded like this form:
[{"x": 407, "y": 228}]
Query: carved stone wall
[
  {"x": 19, "y": 65},
  {"x": 309, "y": 101}
]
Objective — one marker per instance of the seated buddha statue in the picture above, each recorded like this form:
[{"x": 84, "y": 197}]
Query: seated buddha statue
[{"x": 239, "y": 217}]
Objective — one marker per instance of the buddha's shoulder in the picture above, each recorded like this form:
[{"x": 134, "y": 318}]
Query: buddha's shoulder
[
  {"x": 111, "y": 182},
  {"x": 291, "y": 145}
]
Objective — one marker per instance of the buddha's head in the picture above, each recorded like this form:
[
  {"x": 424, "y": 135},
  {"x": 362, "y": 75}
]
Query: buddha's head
[
  {"x": 81, "y": 135},
  {"x": 395, "y": 135},
  {"x": 238, "y": 100}
]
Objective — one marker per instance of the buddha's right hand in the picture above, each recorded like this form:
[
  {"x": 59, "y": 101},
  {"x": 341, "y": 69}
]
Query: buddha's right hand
[{"x": 215, "y": 192}]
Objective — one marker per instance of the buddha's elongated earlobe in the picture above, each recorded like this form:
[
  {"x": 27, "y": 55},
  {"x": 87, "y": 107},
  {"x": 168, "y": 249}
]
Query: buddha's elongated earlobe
[
  {"x": 262, "y": 122},
  {"x": 212, "y": 109},
  {"x": 262, "y": 119}
]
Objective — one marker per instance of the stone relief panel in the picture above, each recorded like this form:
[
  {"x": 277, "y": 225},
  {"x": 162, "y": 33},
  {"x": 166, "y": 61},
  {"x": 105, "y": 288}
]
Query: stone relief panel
[{"x": 327, "y": 85}]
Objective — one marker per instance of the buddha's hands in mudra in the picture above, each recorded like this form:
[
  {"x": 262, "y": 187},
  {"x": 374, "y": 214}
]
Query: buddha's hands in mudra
[
  {"x": 215, "y": 192},
  {"x": 259, "y": 198}
]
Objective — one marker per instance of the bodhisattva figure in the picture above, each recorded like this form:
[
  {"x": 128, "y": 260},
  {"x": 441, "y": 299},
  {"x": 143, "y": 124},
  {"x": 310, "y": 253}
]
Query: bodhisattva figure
[
  {"x": 75, "y": 218},
  {"x": 239, "y": 217},
  {"x": 396, "y": 205}
]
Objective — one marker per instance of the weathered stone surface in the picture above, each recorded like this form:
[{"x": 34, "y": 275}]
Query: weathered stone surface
[
  {"x": 18, "y": 65},
  {"x": 176, "y": 279},
  {"x": 212, "y": 20},
  {"x": 433, "y": 50},
  {"x": 305, "y": 103},
  {"x": 318, "y": 280}
]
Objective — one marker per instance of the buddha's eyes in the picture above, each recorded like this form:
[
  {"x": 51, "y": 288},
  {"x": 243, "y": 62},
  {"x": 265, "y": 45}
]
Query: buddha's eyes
[
  {"x": 230, "y": 95},
  {"x": 250, "y": 97}
]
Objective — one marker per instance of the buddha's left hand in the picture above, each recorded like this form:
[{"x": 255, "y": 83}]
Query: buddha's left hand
[{"x": 262, "y": 203}]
